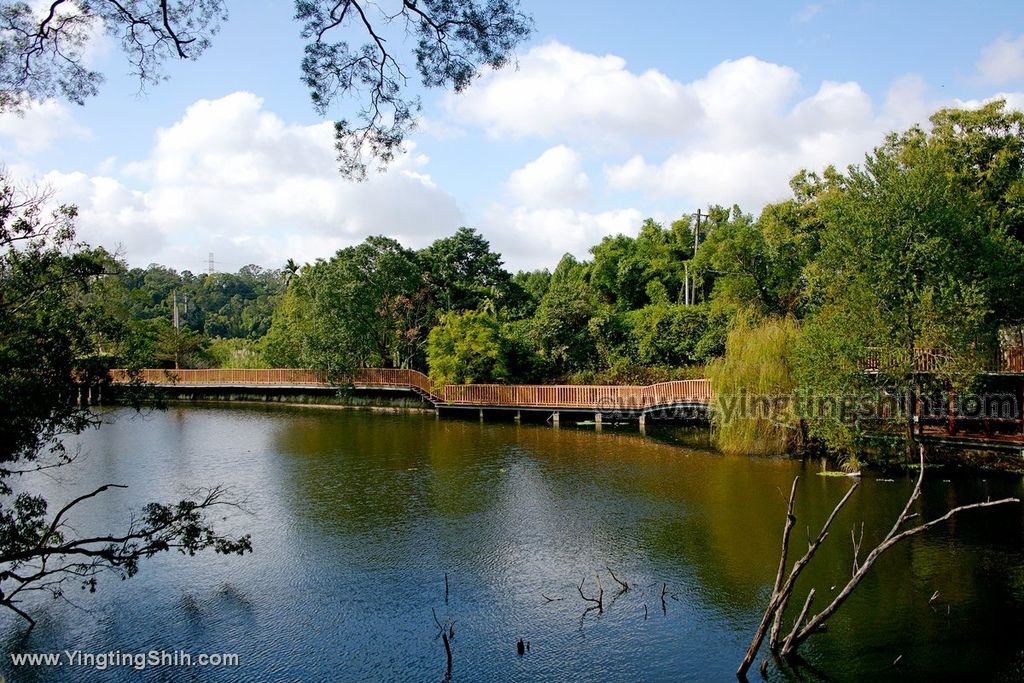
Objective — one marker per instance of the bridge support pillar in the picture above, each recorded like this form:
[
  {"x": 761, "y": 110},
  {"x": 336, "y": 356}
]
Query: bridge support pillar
[
  {"x": 481, "y": 414},
  {"x": 554, "y": 420},
  {"x": 518, "y": 418},
  {"x": 597, "y": 421},
  {"x": 643, "y": 424}
]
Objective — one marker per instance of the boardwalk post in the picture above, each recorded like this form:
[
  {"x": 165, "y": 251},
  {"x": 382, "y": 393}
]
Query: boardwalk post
[
  {"x": 481, "y": 414},
  {"x": 597, "y": 421},
  {"x": 1020, "y": 402},
  {"x": 951, "y": 416},
  {"x": 518, "y": 418},
  {"x": 554, "y": 419},
  {"x": 643, "y": 424}
]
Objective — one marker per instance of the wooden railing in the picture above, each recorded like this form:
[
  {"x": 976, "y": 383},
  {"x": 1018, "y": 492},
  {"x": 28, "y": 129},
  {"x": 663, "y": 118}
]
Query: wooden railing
[
  {"x": 1011, "y": 360},
  {"x": 227, "y": 377},
  {"x": 1006, "y": 360},
  {"x": 691, "y": 391}
]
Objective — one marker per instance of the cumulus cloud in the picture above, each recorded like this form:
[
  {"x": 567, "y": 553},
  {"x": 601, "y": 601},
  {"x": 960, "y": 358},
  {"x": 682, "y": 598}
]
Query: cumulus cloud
[
  {"x": 1002, "y": 61},
  {"x": 233, "y": 178},
  {"x": 555, "y": 178},
  {"x": 557, "y": 90},
  {"x": 38, "y": 128},
  {"x": 756, "y": 132},
  {"x": 755, "y": 136},
  {"x": 537, "y": 237}
]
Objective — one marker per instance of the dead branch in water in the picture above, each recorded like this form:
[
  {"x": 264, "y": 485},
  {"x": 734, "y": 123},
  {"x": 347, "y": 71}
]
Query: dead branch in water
[
  {"x": 446, "y": 632},
  {"x": 782, "y": 590},
  {"x": 780, "y": 597},
  {"x": 773, "y": 638},
  {"x": 623, "y": 584},
  {"x": 599, "y": 600}
]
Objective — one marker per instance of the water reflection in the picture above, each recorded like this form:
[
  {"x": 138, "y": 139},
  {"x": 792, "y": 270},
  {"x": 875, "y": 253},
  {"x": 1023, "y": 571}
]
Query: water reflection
[{"x": 360, "y": 515}]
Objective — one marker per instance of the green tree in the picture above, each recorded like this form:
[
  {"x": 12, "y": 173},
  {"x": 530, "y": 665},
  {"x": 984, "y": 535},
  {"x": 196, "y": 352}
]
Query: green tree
[
  {"x": 283, "y": 345},
  {"x": 467, "y": 348},
  {"x": 365, "y": 307},
  {"x": 909, "y": 263},
  {"x": 529, "y": 288},
  {"x": 668, "y": 334},
  {"x": 179, "y": 347},
  {"x": 462, "y": 272},
  {"x": 562, "y": 322}
]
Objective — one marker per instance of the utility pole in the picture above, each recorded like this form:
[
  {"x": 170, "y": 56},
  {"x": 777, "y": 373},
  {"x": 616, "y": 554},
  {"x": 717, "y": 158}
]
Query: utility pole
[
  {"x": 691, "y": 293},
  {"x": 174, "y": 316},
  {"x": 696, "y": 229},
  {"x": 686, "y": 281}
]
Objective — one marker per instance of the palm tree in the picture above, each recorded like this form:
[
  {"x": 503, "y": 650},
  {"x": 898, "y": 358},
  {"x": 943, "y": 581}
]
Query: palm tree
[{"x": 291, "y": 269}]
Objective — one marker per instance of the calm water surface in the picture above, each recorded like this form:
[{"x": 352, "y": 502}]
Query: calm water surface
[{"x": 357, "y": 516}]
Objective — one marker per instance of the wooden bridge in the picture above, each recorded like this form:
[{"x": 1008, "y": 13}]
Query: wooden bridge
[
  {"x": 682, "y": 398},
  {"x": 606, "y": 399}
]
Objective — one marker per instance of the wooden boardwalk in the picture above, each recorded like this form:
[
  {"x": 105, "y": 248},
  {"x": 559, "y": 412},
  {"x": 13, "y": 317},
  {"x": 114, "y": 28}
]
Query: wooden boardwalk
[{"x": 604, "y": 398}]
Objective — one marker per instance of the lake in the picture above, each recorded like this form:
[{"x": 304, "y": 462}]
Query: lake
[{"x": 356, "y": 517}]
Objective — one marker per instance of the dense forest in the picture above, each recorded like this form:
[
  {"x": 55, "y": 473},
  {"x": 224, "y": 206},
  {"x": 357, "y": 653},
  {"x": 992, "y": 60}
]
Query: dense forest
[
  {"x": 220, "y": 316},
  {"x": 921, "y": 247}
]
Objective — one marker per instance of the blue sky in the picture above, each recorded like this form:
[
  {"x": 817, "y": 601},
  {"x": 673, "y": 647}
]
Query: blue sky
[{"x": 611, "y": 116}]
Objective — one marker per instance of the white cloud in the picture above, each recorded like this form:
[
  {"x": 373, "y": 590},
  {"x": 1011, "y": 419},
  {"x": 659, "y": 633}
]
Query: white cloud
[
  {"x": 1002, "y": 61},
  {"x": 38, "y": 127},
  {"x": 736, "y": 134},
  {"x": 557, "y": 90},
  {"x": 754, "y": 136},
  {"x": 555, "y": 178},
  {"x": 1014, "y": 100},
  {"x": 232, "y": 178},
  {"x": 538, "y": 237}
]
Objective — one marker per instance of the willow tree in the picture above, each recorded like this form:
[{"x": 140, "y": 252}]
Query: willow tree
[{"x": 754, "y": 385}]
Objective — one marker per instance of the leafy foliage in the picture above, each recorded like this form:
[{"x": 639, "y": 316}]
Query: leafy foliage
[
  {"x": 755, "y": 370},
  {"x": 467, "y": 348},
  {"x": 43, "y": 48},
  {"x": 454, "y": 39},
  {"x": 56, "y": 334}
]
